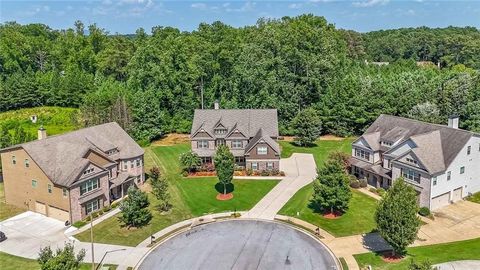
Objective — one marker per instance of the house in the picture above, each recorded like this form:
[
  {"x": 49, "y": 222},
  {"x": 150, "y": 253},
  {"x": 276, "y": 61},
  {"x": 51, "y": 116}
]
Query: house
[
  {"x": 69, "y": 176},
  {"x": 250, "y": 134},
  {"x": 441, "y": 162}
]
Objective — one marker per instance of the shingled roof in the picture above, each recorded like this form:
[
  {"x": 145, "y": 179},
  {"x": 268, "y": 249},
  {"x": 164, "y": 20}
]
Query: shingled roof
[
  {"x": 247, "y": 121},
  {"x": 62, "y": 157},
  {"x": 438, "y": 145}
]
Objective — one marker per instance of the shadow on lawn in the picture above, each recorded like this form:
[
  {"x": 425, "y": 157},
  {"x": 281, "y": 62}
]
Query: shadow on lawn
[
  {"x": 219, "y": 187},
  {"x": 309, "y": 145}
]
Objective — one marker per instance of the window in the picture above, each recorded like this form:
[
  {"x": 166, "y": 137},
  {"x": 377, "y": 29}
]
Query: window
[
  {"x": 469, "y": 150},
  {"x": 220, "y": 131},
  {"x": 49, "y": 188},
  {"x": 125, "y": 165},
  {"x": 219, "y": 142},
  {"x": 269, "y": 165},
  {"x": 239, "y": 160},
  {"x": 111, "y": 152},
  {"x": 87, "y": 171},
  {"x": 132, "y": 164},
  {"x": 254, "y": 166},
  {"x": 92, "y": 206},
  {"x": 34, "y": 183},
  {"x": 138, "y": 162},
  {"x": 237, "y": 144},
  {"x": 89, "y": 185},
  {"x": 14, "y": 160},
  {"x": 462, "y": 170},
  {"x": 449, "y": 176},
  {"x": 64, "y": 192},
  {"x": 411, "y": 160},
  {"x": 387, "y": 143},
  {"x": 202, "y": 144},
  {"x": 27, "y": 163},
  {"x": 434, "y": 180},
  {"x": 411, "y": 175},
  {"x": 362, "y": 154},
  {"x": 262, "y": 150}
]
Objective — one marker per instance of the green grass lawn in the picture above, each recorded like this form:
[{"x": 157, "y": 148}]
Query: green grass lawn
[
  {"x": 11, "y": 262},
  {"x": 320, "y": 151},
  {"x": 7, "y": 210},
  {"x": 462, "y": 250},
  {"x": 56, "y": 120},
  {"x": 358, "y": 219},
  {"x": 475, "y": 198},
  {"x": 190, "y": 197}
]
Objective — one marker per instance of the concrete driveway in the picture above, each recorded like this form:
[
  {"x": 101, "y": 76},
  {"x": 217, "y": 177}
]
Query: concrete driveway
[
  {"x": 456, "y": 222},
  {"x": 300, "y": 170},
  {"x": 459, "y": 265}
]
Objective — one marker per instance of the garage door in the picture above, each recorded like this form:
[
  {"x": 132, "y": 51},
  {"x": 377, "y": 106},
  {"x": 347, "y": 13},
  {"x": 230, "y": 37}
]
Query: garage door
[
  {"x": 40, "y": 208},
  {"x": 440, "y": 201},
  {"x": 457, "y": 194},
  {"x": 57, "y": 213}
]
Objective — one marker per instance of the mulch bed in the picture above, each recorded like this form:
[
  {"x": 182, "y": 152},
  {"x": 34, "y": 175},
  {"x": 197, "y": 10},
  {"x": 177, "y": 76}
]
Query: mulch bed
[
  {"x": 387, "y": 256},
  {"x": 197, "y": 174},
  {"x": 330, "y": 215},
  {"x": 224, "y": 197}
]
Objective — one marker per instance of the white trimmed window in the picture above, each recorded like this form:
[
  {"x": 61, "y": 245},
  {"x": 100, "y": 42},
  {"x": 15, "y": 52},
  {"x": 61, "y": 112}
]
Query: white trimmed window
[
  {"x": 92, "y": 206},
  {"x": 27, "y": 163},
  {"x": 469, "y": 150},
  {"x": 449, "y": 176},
  {"x": 138, "y": 161},
  {"x": 64, "y": 192},
  {"x": 462, "y": 170},
  {"x": 254, "y": 166},
  {"x": 89, "y": 185},
  {"x": 411, "y": 175},
  {"x": 434, "y": 180},
  {"x": 362, "y": 154},
  {"x": 237, "y": 144},
  {"x": 89, "y": 170},
  {"x": 49, "y": 188},
  {"x": 34, "y": 183},
  {"x": 202, "y": 144},
  {"x": 262, "y": 150},
  {"x": 269, "y": 165}
]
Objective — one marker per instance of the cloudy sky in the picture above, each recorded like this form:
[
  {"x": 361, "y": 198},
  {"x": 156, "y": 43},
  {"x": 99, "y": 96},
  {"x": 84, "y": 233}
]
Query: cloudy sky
[{"x": 125, "y": 16}]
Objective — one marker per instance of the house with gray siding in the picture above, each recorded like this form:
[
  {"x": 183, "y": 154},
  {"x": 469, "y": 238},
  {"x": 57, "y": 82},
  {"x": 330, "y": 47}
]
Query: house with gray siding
[
  {"x": 249, "y": 133},
  {"x": 441, "y": 162}
]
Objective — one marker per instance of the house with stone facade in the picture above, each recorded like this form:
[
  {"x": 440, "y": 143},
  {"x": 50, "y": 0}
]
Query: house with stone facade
[
  {"x": 441, "y": 162},
  {"x": 250, "y": 134},
  {"x": 69, "y": 176}
]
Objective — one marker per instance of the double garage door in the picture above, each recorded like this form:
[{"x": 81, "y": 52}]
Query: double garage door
[
  {"x": 53, "y": 212},
  {"x": 444, "y": 199}
]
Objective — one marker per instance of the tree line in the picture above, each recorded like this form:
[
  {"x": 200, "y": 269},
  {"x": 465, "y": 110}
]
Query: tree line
[{"x": 151, "y": 83}]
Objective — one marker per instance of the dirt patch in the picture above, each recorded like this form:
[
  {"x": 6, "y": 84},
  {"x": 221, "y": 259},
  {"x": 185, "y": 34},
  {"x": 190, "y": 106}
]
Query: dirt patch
[
  {"x": 224, "y": 197},
  {"x": 331, "y": 138},
  {"x": 202, "y": 174},
  {"x": 388, "y": 257},
  {"x": 172, "y": 139}
]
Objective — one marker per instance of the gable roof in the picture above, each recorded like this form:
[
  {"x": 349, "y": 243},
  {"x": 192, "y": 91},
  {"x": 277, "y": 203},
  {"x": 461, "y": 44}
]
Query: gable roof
[
  {"x": 62, "y": 157},
  {"x": 438, "y": 145},
  {"x": 261, "y": 136},
  {"x": 249, "y": 121}
]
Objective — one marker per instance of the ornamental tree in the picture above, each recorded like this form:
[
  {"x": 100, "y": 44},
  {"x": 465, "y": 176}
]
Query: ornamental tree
[
  {"x": 307, "y": 126},
  {"x": 224, "y": 165},
  {"x": 63, "y": 259},
  {"x": 134, "y": 208},
  {"x": 396, "y": 216},
  {"x": 331, "y": 190},
  {"x": 190, "y": 161},
  {"x": 160, "y": 191}
]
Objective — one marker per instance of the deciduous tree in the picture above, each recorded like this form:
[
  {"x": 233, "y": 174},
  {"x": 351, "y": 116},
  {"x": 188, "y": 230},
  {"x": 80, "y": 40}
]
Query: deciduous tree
[
  {"x": 63, "y": 259},
  {"x": 224, "y": 165},
  {"x": 134, "y": 208}
]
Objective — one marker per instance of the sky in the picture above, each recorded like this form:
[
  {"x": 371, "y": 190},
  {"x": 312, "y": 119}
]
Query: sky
[{"x": 125, "y": 16}]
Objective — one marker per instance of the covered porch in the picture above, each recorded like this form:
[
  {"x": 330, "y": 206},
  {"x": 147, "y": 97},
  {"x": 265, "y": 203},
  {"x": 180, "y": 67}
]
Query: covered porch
[
  {"x": 375, "y": 174},
  {"x": 119, "y": 186}
]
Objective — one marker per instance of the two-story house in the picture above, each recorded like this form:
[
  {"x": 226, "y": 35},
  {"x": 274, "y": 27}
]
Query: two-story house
[
  {"x": 72, "y": 175},
  {"x": 441, "y": 162},
  {"x": 250, "y": 134}
]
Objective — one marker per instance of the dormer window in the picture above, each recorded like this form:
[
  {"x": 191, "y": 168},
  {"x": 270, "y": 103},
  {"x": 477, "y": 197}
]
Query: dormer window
[
  {"x": 88, "y": 171},
  {"x": 220, "y": 131},
  {"x": 411, "y": 160},
  {"x": 385, "y": 143},
  {"x": 111, "y": 152}
]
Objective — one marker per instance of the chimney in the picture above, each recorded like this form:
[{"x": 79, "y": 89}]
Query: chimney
[
  {"x": 453, "y": 121},
  {"x": 42, "y": 133},
  {"x": 216, "y": 105}
]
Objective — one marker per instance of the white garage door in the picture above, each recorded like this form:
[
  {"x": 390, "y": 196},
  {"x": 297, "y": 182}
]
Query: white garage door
[
  {"x": 440, "y": 201},
  {"x": 40, "y": 208},
  {"x": 457, "y": 194},
  {"x": 57, "y": 213}
]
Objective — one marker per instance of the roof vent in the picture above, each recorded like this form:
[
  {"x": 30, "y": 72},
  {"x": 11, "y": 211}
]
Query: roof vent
[
  {"x": 42, "y": 133},
  {"x": 453, "y": 121}
]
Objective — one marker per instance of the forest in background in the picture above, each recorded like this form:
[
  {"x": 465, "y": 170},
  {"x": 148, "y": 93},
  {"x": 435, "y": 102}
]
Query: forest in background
[{"x": 151, "y": 82}]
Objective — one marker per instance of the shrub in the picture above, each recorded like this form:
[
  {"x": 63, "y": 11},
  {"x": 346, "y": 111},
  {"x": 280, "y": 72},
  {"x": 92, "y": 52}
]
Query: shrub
[
  {"x": 79, "y": 224},
  {"x": 184, "y": 173},
  {"x": 373, "y": 190},
  {"x": 249, "y": 172},
  {"x": 190, "y": 161},
  {"x": 106, "y": 208},
  {"x": 424, "y": 211},
  {"x": 275, "y": 172},
  {"x": 100, "y": 212},
  {"x": 207, "y": 167},
  {"x": 87, "y": 218},
  {"x": 264, "y": 173},
  {"x": 363, "y": 183},
  {"x": 282, "y": 173},
  {"x": 381, "y": 192},
  {"x": 94, "y": 214},
  {"x": 114, "y": 205},
  {"x": 236, "y": 215},
  {"x": 354, "y": 183}
]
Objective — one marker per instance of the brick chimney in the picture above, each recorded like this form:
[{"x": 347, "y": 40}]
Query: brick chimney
[
  {"x": 216, "y": 105},
  {"x": 42, "y": 133},
  {"x": 453, "y": 121}
]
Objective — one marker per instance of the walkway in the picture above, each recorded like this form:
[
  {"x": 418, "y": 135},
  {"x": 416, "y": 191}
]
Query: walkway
[
  {"x": 459, "y": 265},
  {"x": 300, "y": 170}
]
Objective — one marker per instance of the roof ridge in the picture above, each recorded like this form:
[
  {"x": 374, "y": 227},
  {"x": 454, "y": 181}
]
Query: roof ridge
[{"x": 427, "y": 123}]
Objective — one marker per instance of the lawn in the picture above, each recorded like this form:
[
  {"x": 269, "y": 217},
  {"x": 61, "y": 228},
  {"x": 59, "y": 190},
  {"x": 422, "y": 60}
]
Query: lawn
[
  {"x": 7, "y": 210},
  {"x": 190, "y": 197},
  {"x": 474, "y": 198},
  {"x": 358, "y": 219},
  {"x": 321, "y": 149},
  {"x": 11, "y": 262},
  {"x": 56, "y": 120},
  {"x": 454, "y": 251}
]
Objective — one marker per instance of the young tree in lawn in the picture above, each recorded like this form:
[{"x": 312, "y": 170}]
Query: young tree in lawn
[
  {"x": 307, "y": 126},
  {"x": 424, "y": 265},
  {"x": 190, "y": 161},
  {"x": 134, "y": 208},
  {"x": 154, "y": 173},
  {"x": 331, "y": 190},
  {"x": 396, "y": 216},
  {"x": 160, "y": 191},
  {"x": 62, "y": 259},
  {"x": 224, "y": 165}
]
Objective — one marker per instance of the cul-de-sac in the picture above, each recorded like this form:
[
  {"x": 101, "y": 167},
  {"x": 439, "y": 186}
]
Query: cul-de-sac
[{"x": 335, "y": 135}]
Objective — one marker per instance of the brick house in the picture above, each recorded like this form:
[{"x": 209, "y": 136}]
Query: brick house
[
  {"x": 250, "y": 134},
  {"x": 441, "y": 162},
  {"x": 71, "y": 175}
]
